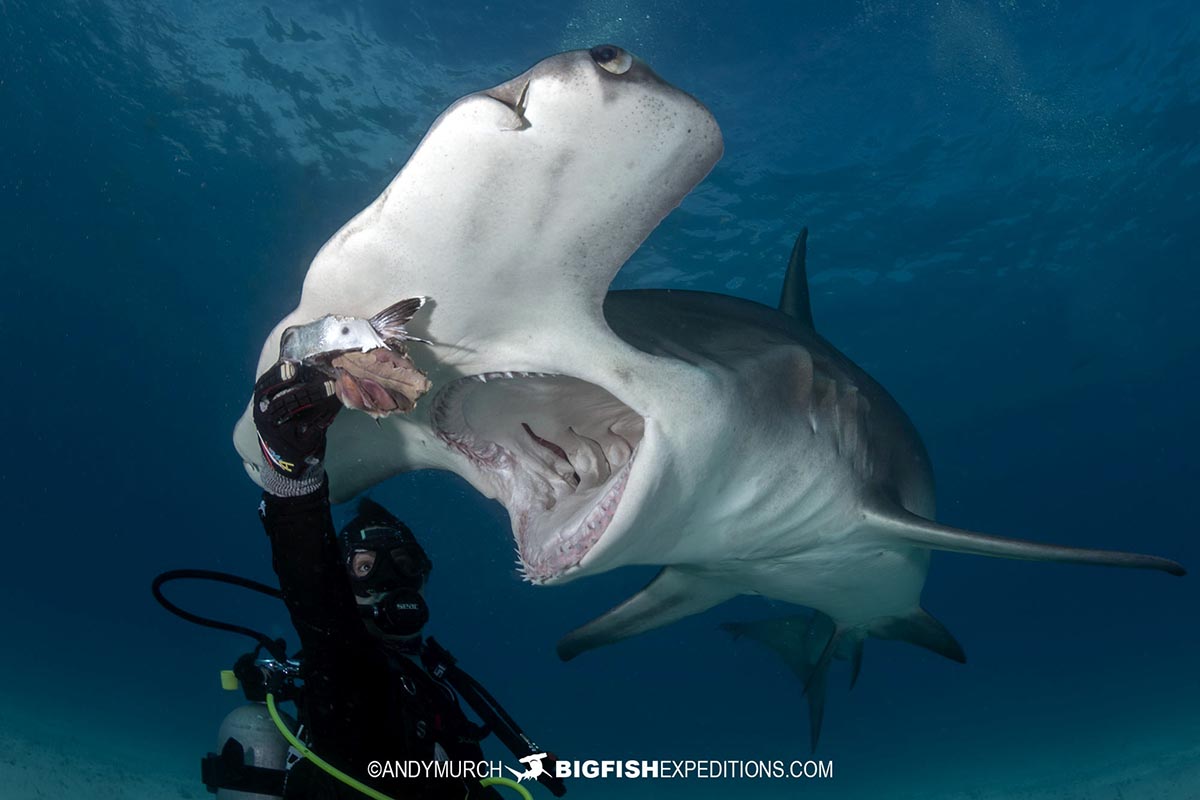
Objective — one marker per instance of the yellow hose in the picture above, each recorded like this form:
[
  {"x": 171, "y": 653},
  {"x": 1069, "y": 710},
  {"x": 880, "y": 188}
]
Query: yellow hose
[
  {"x": 316, "y": 759},
  {"x": 510, "y": 783},
  {"x": 303, "y": 750}
]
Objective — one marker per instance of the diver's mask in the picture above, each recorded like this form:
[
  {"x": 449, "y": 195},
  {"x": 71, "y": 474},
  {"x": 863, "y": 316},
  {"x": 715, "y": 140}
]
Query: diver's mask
[{"x": 387, "y": 569}]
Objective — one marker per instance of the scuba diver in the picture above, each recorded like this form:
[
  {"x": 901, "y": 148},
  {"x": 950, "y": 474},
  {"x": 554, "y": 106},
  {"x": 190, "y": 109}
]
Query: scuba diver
[{"x": 368, "y": 686}]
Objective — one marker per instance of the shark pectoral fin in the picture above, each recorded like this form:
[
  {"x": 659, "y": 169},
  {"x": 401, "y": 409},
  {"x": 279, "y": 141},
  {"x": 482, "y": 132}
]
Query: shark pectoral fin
[
  {"x": 807, "y": 643},
  {"x": 794, "y": 300},
  {"x": 674, "y": 594},
  {"x": 923, "y": 630},
  {"x": 926, "y": 533}
]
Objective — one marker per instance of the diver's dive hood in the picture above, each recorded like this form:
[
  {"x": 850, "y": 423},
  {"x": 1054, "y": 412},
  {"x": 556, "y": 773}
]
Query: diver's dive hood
[
  {"x": 387, "y": 568},
  {"x": 399, "y": 561}
]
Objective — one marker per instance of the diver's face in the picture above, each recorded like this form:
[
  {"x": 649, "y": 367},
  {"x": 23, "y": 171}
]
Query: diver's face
[
  {"x": 387, "y": 566},
  {"x": 361, "y": 564}
]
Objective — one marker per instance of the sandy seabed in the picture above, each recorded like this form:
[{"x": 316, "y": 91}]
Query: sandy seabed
[
  {"x": 39, "y": 761},
  {"x": 50, "y": 756}
]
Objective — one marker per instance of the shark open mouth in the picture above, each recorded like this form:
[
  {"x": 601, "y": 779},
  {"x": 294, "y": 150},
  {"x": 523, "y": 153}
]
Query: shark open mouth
[{"x": 558, "y": 451}]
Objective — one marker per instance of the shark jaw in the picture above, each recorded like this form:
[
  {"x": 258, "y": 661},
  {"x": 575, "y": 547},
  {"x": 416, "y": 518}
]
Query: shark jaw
[{"x": 555, "y": 450}]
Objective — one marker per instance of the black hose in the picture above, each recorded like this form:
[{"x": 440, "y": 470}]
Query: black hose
[
  {"x": 491, "y": 701},
  {"x": 273, "y": 646}
]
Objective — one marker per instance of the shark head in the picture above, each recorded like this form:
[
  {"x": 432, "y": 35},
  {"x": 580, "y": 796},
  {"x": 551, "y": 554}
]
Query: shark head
[{"x": 513, "y": 215}]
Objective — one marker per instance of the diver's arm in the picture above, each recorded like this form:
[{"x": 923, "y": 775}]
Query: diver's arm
[
  {"x": 294, "y": 405},
  {"x": 344, "y": 670},
  {"x": 315, "y": 586}
]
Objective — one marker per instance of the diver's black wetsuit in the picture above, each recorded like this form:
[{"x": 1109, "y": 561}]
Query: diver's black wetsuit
[{"x": 361, "y": 703}]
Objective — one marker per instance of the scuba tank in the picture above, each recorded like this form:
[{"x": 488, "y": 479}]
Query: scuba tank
[
  {"x": 251, "y": 729},
  {"x": 252, "y": 755}
]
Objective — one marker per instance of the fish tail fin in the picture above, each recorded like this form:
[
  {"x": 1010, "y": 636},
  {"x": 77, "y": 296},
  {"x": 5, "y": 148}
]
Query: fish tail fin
[
  {"x": 894, "y": 521},
  {"x": 390, "y": 322}
]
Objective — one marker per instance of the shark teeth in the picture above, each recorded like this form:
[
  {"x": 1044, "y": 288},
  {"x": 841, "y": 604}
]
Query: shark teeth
[
  {"x": 484, "y": 377},
  {"x": 541, "y": 566},
  {"x": 449, "y": 421},
  {"x": 555, "y": 450}
]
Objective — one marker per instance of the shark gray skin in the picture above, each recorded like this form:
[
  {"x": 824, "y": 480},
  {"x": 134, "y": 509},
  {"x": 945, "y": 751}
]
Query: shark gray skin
[{"x": 720, "y": 438}]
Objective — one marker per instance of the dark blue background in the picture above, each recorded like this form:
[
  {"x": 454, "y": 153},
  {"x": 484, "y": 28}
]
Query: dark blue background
[{"x": 1002, "y": 199}]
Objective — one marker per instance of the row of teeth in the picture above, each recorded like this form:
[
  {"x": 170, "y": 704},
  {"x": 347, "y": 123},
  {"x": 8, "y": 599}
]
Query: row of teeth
[
  {"x": 442, "y": 403},
  {"x": 484, "y": 377},
  {"x": 490, "y": 454},
  {"x": 586, "y": 535}
]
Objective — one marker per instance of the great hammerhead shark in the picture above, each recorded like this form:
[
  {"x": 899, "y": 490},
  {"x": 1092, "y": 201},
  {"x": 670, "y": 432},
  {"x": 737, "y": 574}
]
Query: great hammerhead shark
[{"x": 723, "y": 439}]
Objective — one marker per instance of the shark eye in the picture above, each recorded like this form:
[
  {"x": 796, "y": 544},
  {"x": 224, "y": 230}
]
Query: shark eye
[
  {"x": 345, "y": 330},
  {"x": 612, "y": 58}
]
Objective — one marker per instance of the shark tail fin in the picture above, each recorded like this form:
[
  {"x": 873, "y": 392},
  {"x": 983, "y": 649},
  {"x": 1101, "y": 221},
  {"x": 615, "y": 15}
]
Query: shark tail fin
[
  {"x": 856, "y": 656},
  {"x": 807, "y": 643},
  {"x": 794, "y": 300},
  {"x": 926, "y": 533}
]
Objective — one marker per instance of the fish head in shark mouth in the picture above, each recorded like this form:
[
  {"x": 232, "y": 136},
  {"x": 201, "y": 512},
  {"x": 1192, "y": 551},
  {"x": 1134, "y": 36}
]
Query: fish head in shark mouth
[{"x": 513, "y": 215}]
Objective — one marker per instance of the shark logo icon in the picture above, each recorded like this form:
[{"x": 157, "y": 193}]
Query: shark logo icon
[{"x": 534, "y": 768}]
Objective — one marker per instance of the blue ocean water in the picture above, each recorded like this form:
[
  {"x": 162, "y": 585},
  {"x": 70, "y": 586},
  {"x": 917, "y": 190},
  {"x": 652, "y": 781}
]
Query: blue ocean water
[{"x": 1003, "y": 205}]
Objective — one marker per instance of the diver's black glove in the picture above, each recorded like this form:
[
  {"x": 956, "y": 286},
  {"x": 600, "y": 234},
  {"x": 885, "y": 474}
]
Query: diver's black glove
[{"x": 294, "y": 405}]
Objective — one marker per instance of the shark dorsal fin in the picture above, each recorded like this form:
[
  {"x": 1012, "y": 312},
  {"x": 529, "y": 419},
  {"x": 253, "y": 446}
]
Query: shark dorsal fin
[{"x": 794, "y": 299}]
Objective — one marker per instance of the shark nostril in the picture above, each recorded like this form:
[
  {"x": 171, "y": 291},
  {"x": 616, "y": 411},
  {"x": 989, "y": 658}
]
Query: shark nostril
[
  {"x": 513, "y": 94},
  {"x": 612, "y": 58}
]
